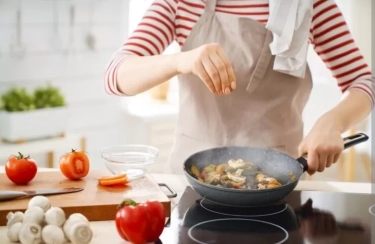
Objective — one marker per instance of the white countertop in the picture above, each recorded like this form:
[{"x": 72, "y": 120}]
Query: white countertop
[{"x": 105, "y": 230}]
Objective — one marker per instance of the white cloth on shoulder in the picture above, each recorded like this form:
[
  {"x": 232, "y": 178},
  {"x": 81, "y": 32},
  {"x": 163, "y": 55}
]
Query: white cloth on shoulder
[{"x": 290, "y": 23}]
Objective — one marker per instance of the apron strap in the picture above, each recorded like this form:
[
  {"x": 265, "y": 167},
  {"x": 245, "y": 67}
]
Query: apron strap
[{"x": 210, "y": 6}]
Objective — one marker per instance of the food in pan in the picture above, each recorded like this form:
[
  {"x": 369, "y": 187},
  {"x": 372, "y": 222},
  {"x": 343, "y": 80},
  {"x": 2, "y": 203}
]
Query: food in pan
[{"x": 237, "y": 174}]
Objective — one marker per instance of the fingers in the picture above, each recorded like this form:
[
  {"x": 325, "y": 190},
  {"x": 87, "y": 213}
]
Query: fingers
[
  {"x": 319, "y": 158},
  {"x": 213, "y": 73},
  {"x": 336, "y": 157},
  {"x": 217, "y": 72},
  {"x": 322, "y": 161},
  {"x": 313, "y": 162},
  {"x": 330, "y": 160},
  {"x": 202, "y": 74},
  {"x": 223, "y": 74},
  {"x": 228, "y": 67}
]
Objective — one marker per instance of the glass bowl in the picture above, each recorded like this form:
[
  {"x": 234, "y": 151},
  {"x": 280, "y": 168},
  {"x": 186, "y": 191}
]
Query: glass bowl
[{"x": 133, "y": 160}]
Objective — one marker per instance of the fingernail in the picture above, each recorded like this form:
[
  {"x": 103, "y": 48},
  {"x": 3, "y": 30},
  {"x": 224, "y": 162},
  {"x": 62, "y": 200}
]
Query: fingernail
[
  {"x": 233, "y": 85},
  {"x": 227, "y": 91}
]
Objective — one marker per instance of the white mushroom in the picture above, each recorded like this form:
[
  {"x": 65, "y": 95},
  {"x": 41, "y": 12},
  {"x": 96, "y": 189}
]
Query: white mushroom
[
  {"x": 79, "y": 216},
  {"x": 55, "y": 216},
  {"x": 40, "y": 201},
  {"x": 235, "y": 178},
  {"x": 13, "y": 232},
  {"x": 30, "y": 233},
  {"x": 14, "y": 218},
  {"x": 34, "y": 215},
  {"x": 237, "y": 164},
  {"x": 77, "y": 230},
  {"x": 52, "y": 234}
]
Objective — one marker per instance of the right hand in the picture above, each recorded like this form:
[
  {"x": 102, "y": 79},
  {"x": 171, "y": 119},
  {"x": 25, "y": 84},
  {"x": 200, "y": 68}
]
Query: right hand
[{"x": 211, "y": 65}]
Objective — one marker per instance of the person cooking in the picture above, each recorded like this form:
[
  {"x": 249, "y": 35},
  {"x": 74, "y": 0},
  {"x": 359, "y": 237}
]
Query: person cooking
[{"x": 243, "y": 74}]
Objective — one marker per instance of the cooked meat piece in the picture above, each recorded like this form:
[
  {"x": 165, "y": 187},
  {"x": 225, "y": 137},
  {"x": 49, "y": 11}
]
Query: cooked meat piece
[
  {"x": 260, "y": 178},
  {"x": 271, "y": 180},
  {"x": 237, "y": 185}
]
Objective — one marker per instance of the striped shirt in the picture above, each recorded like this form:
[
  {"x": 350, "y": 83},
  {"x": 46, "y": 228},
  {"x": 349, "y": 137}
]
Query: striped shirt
[{"x": 172, "y": 20}]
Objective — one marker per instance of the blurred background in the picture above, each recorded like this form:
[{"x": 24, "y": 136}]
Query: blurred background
[{"x": 58, "y": 49}]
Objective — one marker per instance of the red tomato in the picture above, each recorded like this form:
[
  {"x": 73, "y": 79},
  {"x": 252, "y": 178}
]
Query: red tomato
[
  {"x": 21, "y": 170},
  {"x": 74, "y": 165},
  {"x": 140, "y": 223}
]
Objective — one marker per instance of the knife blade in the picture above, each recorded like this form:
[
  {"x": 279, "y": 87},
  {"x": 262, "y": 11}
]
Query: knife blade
[{"x": 10, "y": 195}]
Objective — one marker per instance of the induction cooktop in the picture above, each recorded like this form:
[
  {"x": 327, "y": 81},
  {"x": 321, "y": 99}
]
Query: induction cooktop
[{"x": 302, "y": 217}]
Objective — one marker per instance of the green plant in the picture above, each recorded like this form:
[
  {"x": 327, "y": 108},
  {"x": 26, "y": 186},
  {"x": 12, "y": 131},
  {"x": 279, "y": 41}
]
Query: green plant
[
  {"x": 17, "y": 99},
  {"x": 48, "y": 97}
]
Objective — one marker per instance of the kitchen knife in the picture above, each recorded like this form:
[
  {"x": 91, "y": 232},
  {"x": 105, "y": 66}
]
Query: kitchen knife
[{"x": 10, "y": 195}]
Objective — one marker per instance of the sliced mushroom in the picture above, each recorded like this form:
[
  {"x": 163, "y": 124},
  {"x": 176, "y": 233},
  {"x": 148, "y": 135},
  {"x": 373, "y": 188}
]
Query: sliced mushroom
[
  {"x": 237, "y": 164},
  {"x": 238, "y": 172},
  {"x": 235, "y": 178}
]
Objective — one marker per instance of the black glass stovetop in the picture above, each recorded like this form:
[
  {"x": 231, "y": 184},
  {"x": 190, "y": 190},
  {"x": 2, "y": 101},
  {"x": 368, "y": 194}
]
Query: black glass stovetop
[{"x": 303, "y": 217}]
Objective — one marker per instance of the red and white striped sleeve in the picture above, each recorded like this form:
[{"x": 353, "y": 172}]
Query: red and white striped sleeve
[
  {"x": 153, "y": 35},
  {"x": 334, "y": 43}
]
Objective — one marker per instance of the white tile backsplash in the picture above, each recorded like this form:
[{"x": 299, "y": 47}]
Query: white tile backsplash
[
  {"x": 8, "y": 9},
  {"x": 55, "y": 50},
  {"x": 43, "y": 38},
  {"x": 37, "y": 11},
  {"x": 43, "y": 66}
]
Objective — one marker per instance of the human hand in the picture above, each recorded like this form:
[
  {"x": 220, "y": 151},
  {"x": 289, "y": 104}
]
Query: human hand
[
  {"x": 323, "y": 146},
  {"x": 211, "y": 65}
]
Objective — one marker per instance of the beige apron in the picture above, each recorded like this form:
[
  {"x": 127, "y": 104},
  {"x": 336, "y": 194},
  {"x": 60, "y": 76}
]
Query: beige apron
[{"x": 266, "y": 108}]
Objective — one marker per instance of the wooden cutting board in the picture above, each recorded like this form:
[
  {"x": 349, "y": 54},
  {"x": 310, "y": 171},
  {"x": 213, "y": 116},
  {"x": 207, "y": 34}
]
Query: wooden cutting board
[{"x": 95, "y": 202}]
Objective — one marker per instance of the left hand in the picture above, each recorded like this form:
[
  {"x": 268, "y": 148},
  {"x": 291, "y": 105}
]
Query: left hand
[{"x": 323, "y": 146}]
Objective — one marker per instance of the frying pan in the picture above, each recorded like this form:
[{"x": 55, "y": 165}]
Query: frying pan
[{"x": 272, "y": 163}]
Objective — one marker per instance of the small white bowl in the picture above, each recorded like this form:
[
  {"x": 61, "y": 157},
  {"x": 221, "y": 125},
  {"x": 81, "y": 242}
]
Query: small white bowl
[{"x": 133, "y": 160}]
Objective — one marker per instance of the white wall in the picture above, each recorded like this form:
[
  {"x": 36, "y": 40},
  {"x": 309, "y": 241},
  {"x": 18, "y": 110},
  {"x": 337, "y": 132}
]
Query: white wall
[{"x": 55, "y": 50}]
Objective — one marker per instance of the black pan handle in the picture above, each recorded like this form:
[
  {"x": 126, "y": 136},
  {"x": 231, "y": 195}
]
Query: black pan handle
[
  {"x": 354, "y": 140},
  {"x": 349, "y": 141},
  {"x": 173, "y": 193}
]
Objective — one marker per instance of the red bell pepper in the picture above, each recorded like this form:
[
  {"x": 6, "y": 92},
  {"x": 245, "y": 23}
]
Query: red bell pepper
[{"x": 140, "y": 223}]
